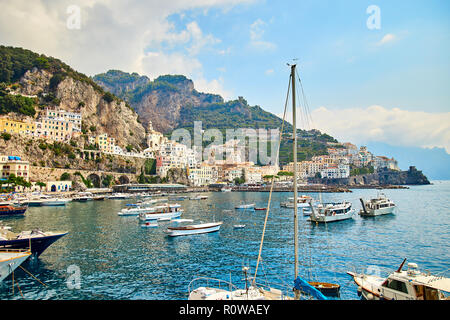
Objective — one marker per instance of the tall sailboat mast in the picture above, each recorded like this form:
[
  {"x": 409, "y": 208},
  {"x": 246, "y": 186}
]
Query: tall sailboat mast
[{"x": 294, "y": 124}]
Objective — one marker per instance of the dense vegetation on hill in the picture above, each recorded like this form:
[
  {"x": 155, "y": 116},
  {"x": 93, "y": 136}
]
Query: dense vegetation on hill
[
  {"x": 15, "y": 103},
  {"x": 14, "y": 62}
]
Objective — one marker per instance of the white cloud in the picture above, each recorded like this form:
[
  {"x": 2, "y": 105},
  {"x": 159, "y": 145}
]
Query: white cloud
[
  {"x": 394, "y": 126},
  {"x": 129, "y": 35},
  {"x": 387, "y": 38},
  {"x": 257, "y": 30}
]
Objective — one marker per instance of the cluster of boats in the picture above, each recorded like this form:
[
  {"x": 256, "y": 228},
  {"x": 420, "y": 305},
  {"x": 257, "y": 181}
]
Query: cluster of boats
[
  {"x": 336, "y": 211},
  {"x": 150, "y": 212}
]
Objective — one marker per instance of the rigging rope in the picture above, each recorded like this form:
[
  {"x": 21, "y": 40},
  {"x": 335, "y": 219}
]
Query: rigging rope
[{"x": 273, "y": 181}]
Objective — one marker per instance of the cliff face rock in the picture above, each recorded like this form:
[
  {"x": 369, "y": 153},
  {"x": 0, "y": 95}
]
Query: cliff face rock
[
  {"x": 159, "y": 101},
  {"x": 114, "y": 118},
  {"x": 380, "y": 178}
]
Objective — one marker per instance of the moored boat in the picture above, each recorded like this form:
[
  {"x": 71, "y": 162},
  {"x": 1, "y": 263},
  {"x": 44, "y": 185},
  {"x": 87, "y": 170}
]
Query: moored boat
[
  {"x": 331, "y": 212},
  {"x": 377, "y": 206},
  {"x": 245, "y": 206},
  {"x": 174, "y": 231},
  {"x": 36, "y": 240},
  {"x": 302, "y": 202},
  {"x": 10, "y": 260},
  {"x": 10, "y": 211},
  {"x": 162, "y": 212},
  {"x": 411, "y": 284},
  {"x": 53, "y": 202}
]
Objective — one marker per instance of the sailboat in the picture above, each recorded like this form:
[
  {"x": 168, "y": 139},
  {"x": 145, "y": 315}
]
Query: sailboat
[{"x": 255, "y": 291}]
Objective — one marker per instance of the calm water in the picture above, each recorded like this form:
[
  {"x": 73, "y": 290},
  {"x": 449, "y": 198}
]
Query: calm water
[{"x": 120, "y": 260}]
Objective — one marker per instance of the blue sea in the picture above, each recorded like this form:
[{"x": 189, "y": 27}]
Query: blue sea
[{"x": 106, "y": 256}]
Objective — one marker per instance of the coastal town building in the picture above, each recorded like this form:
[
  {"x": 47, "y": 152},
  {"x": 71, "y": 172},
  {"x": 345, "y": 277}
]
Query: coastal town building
[
  {"x": 16, "y": 126},
  {"x": 14, "y": 165},
  {"x": 59, "y": 114},
  {"x": 203, "y": 175}
]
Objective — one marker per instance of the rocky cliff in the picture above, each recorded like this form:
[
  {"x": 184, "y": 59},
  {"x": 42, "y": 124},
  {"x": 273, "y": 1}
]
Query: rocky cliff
[{"x": 380, "y": 178}]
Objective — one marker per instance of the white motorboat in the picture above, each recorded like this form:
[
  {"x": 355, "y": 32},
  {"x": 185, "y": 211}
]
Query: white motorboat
[
  {"x": 199, "y": 197},
  {"x": 10, "y": 260},
  {"x": 376, "y": 207},
  {"x": 83, "y": 197},
  {"x": 119, "y": 196},
  {"x": 246, "y": 206},
  {"x": 302, "y": 202},
  {"x": 411, "y": 284},
  {"x": 331, "y": 212},
  {"x": 165, "y": 212},
  {"x": 174, "y": 231},
  {"x": 52, "y": 202},
  {"x": 239, "y": 226},
  {"x": 226, "y": 189}
]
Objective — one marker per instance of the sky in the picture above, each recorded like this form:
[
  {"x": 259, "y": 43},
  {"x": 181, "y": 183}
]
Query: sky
[{"x": 371, "y": 70}]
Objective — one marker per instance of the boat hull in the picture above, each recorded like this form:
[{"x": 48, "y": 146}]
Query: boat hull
[
  {"x": 377, "y": 212},
  {"x": 13, "y": 212},
  {"x": 10, "y": 262},
  {"x": 38, "y": 244},
  {"x": 160, "y": 216},
  {"x": 337, "y": 217},
  {"x": 173, "y": 232}
]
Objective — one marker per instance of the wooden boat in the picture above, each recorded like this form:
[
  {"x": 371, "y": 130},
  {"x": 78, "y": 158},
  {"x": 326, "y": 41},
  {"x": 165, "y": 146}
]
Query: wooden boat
[
  {"x": 9, "y": 211},
  {"x": 193, "y": 229},
  {"x": 260, "y": 209},
  {"x": 328, "y": 289}
]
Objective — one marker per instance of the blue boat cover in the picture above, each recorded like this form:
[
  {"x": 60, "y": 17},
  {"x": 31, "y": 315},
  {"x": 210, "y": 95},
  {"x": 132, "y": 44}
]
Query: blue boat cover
[{"x": 305, "y": 287}]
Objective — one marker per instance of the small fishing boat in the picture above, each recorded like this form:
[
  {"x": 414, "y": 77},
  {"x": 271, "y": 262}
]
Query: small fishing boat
[
  {"x": 260, "y": 209},
  {"x": 377, "y": 206},
  {"x": 36, "y": 239},
  {"x": 245, "y": 206},
  {"x": 174, "y": 231},
  {"x": 239, "y": 226},
  {"x": 10, "y": 260},
  {"x": 162, "y": 212},
  {"x": 411, "y": 284},
  {"x": 98, "y": 198},
  {"x": 10, "y": 211}
]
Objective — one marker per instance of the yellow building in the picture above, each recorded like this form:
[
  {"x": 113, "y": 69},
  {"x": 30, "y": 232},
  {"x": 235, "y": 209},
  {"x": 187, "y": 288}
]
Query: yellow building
[
  {"x": 54, "y": 129},
  {"x": 104, "y": 143},
  {"x": 14, "y": 165},
  {"x": 16, "y": 127}
]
